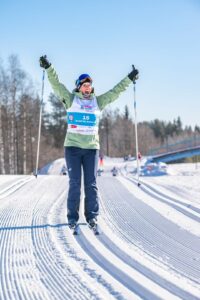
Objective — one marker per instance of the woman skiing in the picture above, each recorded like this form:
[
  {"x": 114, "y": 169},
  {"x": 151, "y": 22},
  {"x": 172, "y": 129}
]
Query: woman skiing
[{"x": 82, "y": 139}]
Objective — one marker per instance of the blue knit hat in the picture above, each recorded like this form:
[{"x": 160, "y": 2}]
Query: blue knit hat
[{"x": 82, "y": 79}]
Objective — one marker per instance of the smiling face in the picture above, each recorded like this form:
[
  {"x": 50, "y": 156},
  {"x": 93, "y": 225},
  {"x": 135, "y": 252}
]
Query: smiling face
[{"x": 86, "y": 88}]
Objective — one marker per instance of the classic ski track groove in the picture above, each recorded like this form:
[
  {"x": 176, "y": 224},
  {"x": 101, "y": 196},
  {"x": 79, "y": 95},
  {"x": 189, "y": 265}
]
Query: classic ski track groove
[
  {"x": 52, "y": 252},
  {"x": 56, "y": 279},
  {"x": 161, "y": 199},
  {"x": 59, "y": 281},
  {"x": 9, "y": 255},
  {"x": 114, "y": 247},
  {"x": 8, "y": 180},
  {"x": 132, "y": 233},
  {"x": 189, "y": 206},
  {"x": 85, "y": 262},
  {"x": 119, "y": 273},
  {"x": 86, "y": 240},
  {"x": 189, "y": 211},
  {"x": 17, "y": 184}
]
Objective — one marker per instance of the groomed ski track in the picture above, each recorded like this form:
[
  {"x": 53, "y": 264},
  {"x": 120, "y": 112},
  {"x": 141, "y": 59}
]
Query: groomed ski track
[{"x": 138, "y": 255}]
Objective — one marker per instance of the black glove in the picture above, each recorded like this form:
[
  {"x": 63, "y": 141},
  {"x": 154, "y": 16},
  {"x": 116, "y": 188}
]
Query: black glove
[
  {"x": 134, "y": 74},
  {"x": 44, "y": 63}
]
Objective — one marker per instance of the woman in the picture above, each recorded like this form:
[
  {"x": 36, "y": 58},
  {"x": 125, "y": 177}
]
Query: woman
[{"x": 82, "y": 139}]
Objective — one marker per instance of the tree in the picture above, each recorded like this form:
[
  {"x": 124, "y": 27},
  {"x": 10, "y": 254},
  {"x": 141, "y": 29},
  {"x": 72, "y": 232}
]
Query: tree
[
  {"x": 197, "y": 128},
  {"x": 178, "y": 126},
  {"x": 57, "y": 124},
  {"x": 126, "y": 113},
  {"x": 158, "y": 128},
  {"x": 17, "y": 107}
]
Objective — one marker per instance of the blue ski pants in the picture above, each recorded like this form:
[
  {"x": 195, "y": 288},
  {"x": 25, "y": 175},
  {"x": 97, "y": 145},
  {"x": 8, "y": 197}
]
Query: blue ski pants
[{"x": 78, "y": 159}]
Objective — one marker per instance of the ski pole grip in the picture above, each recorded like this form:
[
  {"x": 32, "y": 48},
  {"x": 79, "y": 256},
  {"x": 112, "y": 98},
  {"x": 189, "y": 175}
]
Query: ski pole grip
[
  {"x": 134, "y": 82},
  {"x": 133, "y": 67}
]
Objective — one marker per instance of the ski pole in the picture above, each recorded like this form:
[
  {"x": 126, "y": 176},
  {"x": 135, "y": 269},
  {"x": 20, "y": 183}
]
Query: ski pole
[
  {"x": 136, "y": 132},
  {"x": 40, "y": 123}
]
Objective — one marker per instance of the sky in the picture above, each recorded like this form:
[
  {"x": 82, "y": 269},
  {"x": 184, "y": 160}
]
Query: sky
[{"x": 104, "y": 38}]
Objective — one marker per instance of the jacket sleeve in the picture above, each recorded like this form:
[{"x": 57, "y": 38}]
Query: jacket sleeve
[
  {"x": 113, "y": 94},
  {"x": 59, "y": 89}
]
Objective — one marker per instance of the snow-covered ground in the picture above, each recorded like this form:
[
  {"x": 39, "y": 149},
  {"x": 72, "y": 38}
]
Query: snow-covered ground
[{"x": 149, "y": 246}]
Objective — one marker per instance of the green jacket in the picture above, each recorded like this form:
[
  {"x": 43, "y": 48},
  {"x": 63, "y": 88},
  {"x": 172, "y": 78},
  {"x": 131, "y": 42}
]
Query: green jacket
[{"x": 79, "y": 140}]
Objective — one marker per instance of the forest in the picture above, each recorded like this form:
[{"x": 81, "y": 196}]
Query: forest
[{"x": 19, "y": 119}]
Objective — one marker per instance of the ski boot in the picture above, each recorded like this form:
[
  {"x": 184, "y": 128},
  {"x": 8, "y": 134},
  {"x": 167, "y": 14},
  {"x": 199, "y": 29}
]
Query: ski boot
[
  {"x": 93, "y": 226},
  {"x": 74, "y": 227}
]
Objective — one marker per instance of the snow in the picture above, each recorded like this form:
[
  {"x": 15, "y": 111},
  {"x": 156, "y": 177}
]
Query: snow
[{"x": 149, "y": 246}]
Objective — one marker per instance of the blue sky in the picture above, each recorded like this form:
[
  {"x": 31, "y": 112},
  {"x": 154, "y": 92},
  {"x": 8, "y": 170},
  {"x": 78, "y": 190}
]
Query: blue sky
[{"x": 104, "y": 38}]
